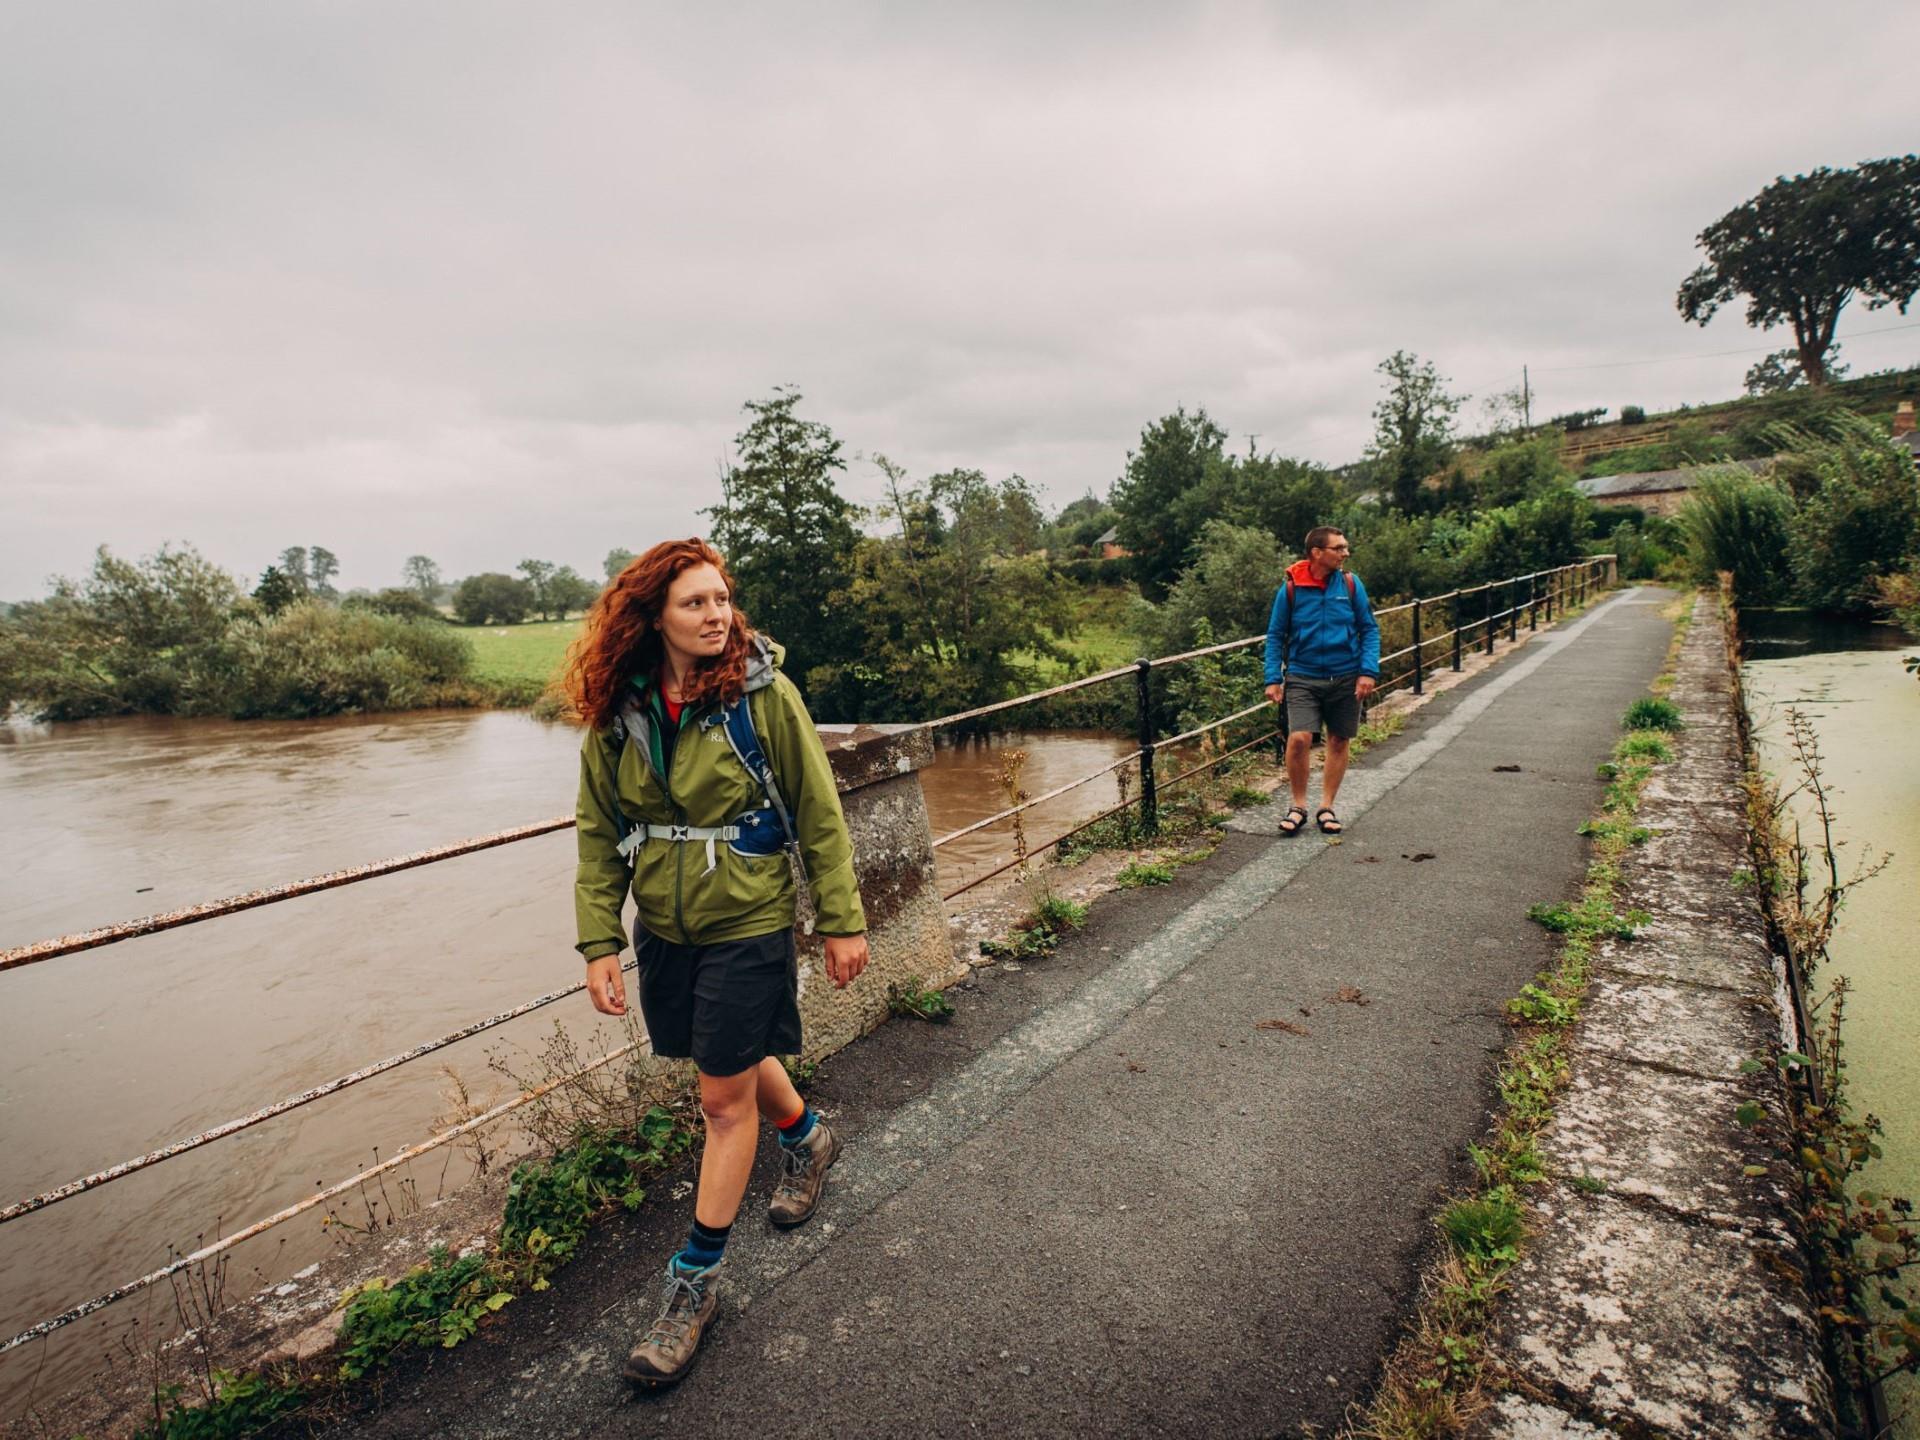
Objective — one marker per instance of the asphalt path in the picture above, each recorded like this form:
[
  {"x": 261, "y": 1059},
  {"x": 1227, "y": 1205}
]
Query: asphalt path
[{"x": 1115, "y": 1197}]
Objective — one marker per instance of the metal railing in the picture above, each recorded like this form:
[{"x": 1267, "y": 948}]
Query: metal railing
[
  {"x": 1547, "y": 591},
  {"x": 1474, "y": 617}
]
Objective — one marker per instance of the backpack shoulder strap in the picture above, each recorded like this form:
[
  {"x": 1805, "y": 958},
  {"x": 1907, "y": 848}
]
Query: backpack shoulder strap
[{"x": 738, "y": 719}]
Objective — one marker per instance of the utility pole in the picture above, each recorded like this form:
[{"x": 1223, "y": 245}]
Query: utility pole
[{"x": 1526, "y": 397}]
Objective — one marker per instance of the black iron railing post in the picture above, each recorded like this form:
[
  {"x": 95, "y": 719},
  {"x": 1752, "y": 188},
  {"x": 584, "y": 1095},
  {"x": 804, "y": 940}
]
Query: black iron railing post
[
  {"x": 1533, "y": 605},
  {"x": 1149, "y": 800},
  {"x": 1419, "y": 660},
  {"x": 1553, "y": 582},
  {"x": 1456, "y": 629},
  {"x": 1488, "y": 621},
  {"x": 1513, "y": 609}
]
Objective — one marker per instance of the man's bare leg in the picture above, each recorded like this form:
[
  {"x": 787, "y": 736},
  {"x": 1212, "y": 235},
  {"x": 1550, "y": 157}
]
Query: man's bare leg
[
  {"x": 1299, "y": 754},
  {"x": 1333, "y": 769}
]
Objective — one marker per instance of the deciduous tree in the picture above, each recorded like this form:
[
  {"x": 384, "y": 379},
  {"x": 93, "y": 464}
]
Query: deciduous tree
[
  {"x": 422, "y": 575},
  {"x": 1806, "y": 245},
  {"x": 1413, "y": 428},
  {"x": 786, "y": 531},
  {"x": 1157, "y": 522},
  {"x": 492, "y": 599}
]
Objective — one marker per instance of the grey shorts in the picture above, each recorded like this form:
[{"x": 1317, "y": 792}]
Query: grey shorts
[{"x": 1313, "y": 703}]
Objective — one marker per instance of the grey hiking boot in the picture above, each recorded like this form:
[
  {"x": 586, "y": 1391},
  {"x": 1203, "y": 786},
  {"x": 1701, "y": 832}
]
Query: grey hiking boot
[
  {"x": 667, "y": 1352},
  {"x": 798, "y": 1194}
]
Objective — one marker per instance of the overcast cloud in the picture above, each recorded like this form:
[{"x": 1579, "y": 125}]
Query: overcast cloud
[{"x": 491, "y": 281}]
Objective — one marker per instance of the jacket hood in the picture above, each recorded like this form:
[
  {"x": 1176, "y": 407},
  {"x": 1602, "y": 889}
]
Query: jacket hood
[
  {"x": 1301, "y": 573},
  {"x": 764, "y": 656}
]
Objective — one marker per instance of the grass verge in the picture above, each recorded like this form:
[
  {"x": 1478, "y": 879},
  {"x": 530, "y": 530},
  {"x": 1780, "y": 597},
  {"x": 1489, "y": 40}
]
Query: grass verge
[{"x": 1435, "y": 1383}]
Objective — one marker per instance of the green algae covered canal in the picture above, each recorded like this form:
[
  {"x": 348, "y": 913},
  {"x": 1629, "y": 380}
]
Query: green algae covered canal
[{"x": 1849, "y": 680}]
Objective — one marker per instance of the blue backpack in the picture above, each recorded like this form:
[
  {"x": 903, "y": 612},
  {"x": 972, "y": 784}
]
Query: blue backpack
[{"x": 765, "y": 831}]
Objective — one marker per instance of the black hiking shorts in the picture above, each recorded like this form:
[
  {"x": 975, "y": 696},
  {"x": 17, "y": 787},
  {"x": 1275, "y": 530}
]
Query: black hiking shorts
[{"x": 726, "y": 1007}]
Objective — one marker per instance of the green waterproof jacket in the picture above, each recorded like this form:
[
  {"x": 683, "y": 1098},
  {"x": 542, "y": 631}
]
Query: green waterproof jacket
[{"x": 679, "y": 898}]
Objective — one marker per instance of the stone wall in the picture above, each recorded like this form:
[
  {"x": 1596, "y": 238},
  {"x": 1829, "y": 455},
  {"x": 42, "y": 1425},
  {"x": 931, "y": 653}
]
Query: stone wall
[
  {"x": 1664, "y": 1287},
  {"x": 875, "y": 767}
]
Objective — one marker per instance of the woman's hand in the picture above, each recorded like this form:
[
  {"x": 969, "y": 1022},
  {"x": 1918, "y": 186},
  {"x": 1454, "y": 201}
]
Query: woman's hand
[
  {"x": 846, "y": 958},
  {"x": 606, "y": 986}
]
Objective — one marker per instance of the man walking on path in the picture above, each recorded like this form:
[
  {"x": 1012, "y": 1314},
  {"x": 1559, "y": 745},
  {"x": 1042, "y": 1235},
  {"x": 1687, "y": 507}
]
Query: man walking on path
[{"x": 1323, "y": 660}]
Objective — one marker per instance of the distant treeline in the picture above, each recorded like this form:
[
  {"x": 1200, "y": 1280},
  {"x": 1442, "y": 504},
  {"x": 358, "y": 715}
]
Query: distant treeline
[
  {"x": 176, "y": 635},
  {"x": 958, "y": 590}
]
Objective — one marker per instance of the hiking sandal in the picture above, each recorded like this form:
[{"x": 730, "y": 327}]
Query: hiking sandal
[
  {"x": 1294, "y": 821},
  {"x": 1328, "y": 822}
]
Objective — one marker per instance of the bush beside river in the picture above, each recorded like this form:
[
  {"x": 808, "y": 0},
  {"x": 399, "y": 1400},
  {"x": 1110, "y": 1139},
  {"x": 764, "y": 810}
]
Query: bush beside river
[{"x": 174, "y": 635}]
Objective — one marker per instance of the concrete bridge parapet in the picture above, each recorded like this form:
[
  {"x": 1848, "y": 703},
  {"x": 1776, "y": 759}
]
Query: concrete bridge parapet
[{"x": 877, "y": 770}]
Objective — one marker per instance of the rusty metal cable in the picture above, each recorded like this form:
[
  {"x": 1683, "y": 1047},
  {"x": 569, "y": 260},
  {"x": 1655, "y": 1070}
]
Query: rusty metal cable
[
  {"x": 279, "y": 1107},
  {"x": 1009, "y": 813},
  {"x": 1213, "y": 725},
  {"x": 260, "y": 1227},
  {"x": 233, "y": 904},
  {"x": 997, "y": 706}
]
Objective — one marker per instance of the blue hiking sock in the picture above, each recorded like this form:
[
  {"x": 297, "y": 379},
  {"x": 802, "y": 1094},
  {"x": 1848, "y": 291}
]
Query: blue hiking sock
[
  {"x": 705, "y": 1246},
  {"x": 798, "y": 1128}
]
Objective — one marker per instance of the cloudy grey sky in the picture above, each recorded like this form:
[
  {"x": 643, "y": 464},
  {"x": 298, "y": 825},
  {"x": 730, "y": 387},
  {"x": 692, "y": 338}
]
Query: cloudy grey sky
[{"x": 485, "y": 281}]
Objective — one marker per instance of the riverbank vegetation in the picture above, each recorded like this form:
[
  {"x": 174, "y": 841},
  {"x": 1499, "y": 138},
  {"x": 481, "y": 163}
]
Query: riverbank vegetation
[
  {"x": 1834, "y": 525},
  {"x": 175, "y": 635}
]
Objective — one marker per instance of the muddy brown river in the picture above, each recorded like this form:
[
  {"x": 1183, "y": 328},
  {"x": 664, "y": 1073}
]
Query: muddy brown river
[{"x": 109, "y": 1053}]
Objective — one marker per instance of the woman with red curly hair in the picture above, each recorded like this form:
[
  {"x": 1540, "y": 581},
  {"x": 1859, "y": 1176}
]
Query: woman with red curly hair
[{"x": 672, "y": 811}]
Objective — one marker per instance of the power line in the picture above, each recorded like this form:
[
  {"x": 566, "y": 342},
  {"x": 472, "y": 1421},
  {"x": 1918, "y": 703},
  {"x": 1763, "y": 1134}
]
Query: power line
[{"x": 1715, "y": 354}]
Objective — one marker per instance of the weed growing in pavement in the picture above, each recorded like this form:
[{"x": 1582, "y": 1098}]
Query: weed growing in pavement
[
  {"x": 801, "y": 1072},
  {"x": 1433, "y": 1383},
  {"x": 1141, "y": 873},
  {"x": 1485, "y": 1228},
  {"x": 1058, "y": 914},
  {"x": 1592, "y": 916},
  {"x": 1652, "y": 713},
  {"x": 1376, "y": 729},
  {"x": 1039, "y": 934},
  {"x": 1646, "y": 745},
  {"x": 240, "y": 1405},
  {"x": 1588, "y": 1184},
  {"x": 912, "y": 997},
  {"x": 1242, "y": 796},
  {"x": 1614, "y": 827},
  {"x": 438, "y": 1303}
]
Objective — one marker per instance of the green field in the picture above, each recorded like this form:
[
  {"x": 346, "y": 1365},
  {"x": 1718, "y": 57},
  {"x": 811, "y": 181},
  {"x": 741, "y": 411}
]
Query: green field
[{"x": 529, "y": 653}]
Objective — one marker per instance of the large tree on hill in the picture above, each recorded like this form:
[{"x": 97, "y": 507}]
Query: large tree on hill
[
  {"x": 786, "y": 532},
  {"x": 1413, "y": 428},
  {"x": 1156, "y": 524},
  {"x": 1805, "y": 246}
]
